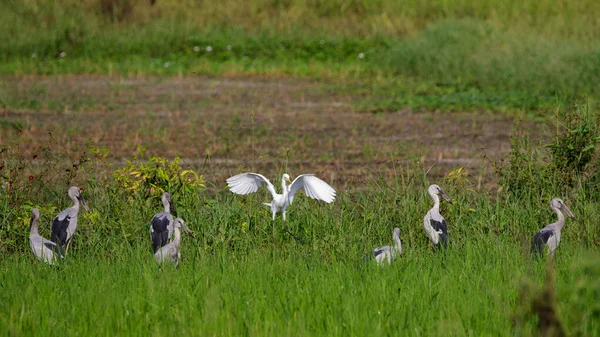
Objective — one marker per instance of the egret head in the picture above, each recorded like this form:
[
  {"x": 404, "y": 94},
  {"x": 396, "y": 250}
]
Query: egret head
[
  {"x": 286, "y": 177},
  {"x": 557, "y": 203},
  {"x": 76, "y": 193},
  {"x": 436, "y": 190}
]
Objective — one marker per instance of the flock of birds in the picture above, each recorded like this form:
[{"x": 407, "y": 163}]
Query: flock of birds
[{"x": 165, "y": 231}]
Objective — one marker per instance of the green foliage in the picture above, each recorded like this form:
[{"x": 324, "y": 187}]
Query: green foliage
[{"x": 156, "y": 176}]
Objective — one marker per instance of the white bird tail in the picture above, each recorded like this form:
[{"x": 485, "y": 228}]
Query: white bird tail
[{"x": 267, "y": 204}]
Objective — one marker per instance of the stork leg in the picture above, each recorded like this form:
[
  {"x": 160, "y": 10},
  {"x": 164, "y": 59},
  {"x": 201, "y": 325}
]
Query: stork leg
[{"x": 67, "y": 250}]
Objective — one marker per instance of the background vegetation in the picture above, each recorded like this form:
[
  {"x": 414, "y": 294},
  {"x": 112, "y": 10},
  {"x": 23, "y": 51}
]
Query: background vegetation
[{"x": 440, "y": 54}]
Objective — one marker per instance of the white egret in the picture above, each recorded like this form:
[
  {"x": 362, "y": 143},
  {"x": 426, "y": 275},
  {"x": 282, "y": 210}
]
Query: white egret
[
  {"x": 65, "y": 223},
  {"x": 315, "y": 188},
  {"x": 550, "y": 235},
  {"x": 435, "y": 224}
]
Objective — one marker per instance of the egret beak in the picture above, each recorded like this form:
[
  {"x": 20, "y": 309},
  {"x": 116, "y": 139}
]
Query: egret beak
[
  {"x": 568, "y": 211},
  {"x": 83, "y": 203},
  {"x": 445, "y": 196},
  {"x": 187, "y": 230},
  {"x": 288, "y": 180}
]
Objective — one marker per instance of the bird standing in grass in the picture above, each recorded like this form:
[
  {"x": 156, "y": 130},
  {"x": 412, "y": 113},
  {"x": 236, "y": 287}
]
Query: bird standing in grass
[
  {"x": 550, "y": 235},
  {"x": 171, "y": 250},
  {"x": 246, "y": 183},
  {"x": 45, "y": 250},
  {"x": 389, "y": 253},
  {"x": 162, "y": 225},
  {"x": 65, "y": 223},
  {"x": 435, "y": 224}
]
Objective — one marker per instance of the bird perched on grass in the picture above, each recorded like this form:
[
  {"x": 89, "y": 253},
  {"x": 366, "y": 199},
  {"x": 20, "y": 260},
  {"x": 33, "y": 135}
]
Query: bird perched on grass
[
  {"x": 550, "y": 235},
  {"x": 170, "y": 251},
  {"x": 315, "y": 188},
  {"x": 65, "y": 223},
  {"x": 162, "y": 225},
  {"x": 435, "y": 224},
  {"x": 389, "y": 253},
  {"x": 45, "y": 250}
]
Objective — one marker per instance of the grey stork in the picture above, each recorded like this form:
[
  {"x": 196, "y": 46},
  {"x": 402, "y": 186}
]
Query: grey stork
[
  {"x": 170, "y": 251},
  {"x": 435, "y": 224},
  {"x": 550, "y": 235},
  {"x": 389, "y": 253},
  {"x": 45, "y": 250},
  {"x": 65, "y": 223},
  {"x": 162, "y": 225}
]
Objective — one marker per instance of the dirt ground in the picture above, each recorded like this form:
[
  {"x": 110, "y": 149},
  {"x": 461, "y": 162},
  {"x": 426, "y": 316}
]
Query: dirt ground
[{"x": 224, "y": 126}]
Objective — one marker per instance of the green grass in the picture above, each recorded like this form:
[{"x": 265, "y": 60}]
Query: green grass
[
  {"x": 444, "y": 55},
  {"x": 234, "y": 280}
]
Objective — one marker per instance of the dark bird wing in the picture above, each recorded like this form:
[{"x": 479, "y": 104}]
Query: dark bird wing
[
  {"x": 54, "y": 247},
  {"x": 442, "y": 229},
  {"x": 59, "y": 230},
  {"x": 159, "y": 230},
  {"x": 540, "y": 239},
  {"x": 380, "y": 250}
]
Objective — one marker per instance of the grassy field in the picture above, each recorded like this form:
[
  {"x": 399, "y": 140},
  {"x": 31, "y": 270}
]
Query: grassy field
[
  {"x": 447, "y": 55},
  {"x": 495, "y": 101}
]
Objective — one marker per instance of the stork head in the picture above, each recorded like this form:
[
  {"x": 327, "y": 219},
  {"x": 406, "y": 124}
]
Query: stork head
[
  {"x": 557, "y": 203},
  {"x": 35, "y": 215},
  {"x": 76, "y": 193},
  {"x": 436, "y": 190},
  {"x": 396, "y": 232},
  {"x": 179, "y": 223}
]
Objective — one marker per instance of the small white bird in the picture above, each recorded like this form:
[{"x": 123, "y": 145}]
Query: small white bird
[
  {"x": 550, "y": 235},
  {"x": 65, "y": 223},
  {"x": 435, "y": 224},
  {"x": 389, "y": 253},
  {"x": 171, "y": 250},
  {"x": 161, "y": 225},
  {"x": 313, "y": 187},
  {"x": 44, "y": 250}
]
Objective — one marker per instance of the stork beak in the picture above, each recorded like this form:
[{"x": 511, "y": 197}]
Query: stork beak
[
  {"x": 187, "y": 230},
  {"x": 445, "y": 196},
  {"x": 568, "y": 212},
  {"x": 83, "y": 203}
]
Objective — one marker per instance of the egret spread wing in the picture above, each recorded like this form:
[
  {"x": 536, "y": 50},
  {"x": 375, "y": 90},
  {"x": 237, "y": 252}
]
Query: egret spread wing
[
  {"x": 247, "y": 183},
  {"x": 313, "y": 187}
]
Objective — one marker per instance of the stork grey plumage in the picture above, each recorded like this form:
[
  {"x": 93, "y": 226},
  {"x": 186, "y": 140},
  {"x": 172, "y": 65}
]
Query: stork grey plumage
[
  {"x": 389, "y": 253},
  {"x": 65, "y": 223},
  {"x": 550, "y": 235},
  {"x": 170, "y": 251},
  {"x": 45, "y": 250},
  {"x": 161, "y": 225},
  {"x": 434, "y": 222}
]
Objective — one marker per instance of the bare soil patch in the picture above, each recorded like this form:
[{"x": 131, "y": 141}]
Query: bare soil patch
[{"x": 226, "y": 125}]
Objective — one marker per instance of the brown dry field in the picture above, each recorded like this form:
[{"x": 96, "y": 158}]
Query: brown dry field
[{"x": 223, "y": 126}]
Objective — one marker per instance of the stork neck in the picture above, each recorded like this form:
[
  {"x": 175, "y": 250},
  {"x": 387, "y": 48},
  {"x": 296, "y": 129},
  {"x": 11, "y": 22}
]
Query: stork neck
[
  {"x": 398, "y": 243},
  {"x": 75, "y": 202},
  {"x": 561, "y": 218},
  {"x": 34, "y": 227},
  {"x": 177, "y": 238},
  {"x": 167, "y": 206},
  {"x": 436, "y": 201}
]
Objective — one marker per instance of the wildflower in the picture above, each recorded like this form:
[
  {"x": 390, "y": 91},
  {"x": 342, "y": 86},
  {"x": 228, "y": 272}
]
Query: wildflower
[
  {"x": 33, "y": 55},
  {"x": 30, "y": 178},
  {"x": 361, "y": 56},
  {"x": 208, "y": 49},
  {"x": 322, "y": 42},
  {"x": 62, "y": 54},
  {"x": 228, "y": 47},
  {"x": 166, "y": 65},
  {"x": 35, "y": 156},
  {"x": 196, "y": 49}
]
